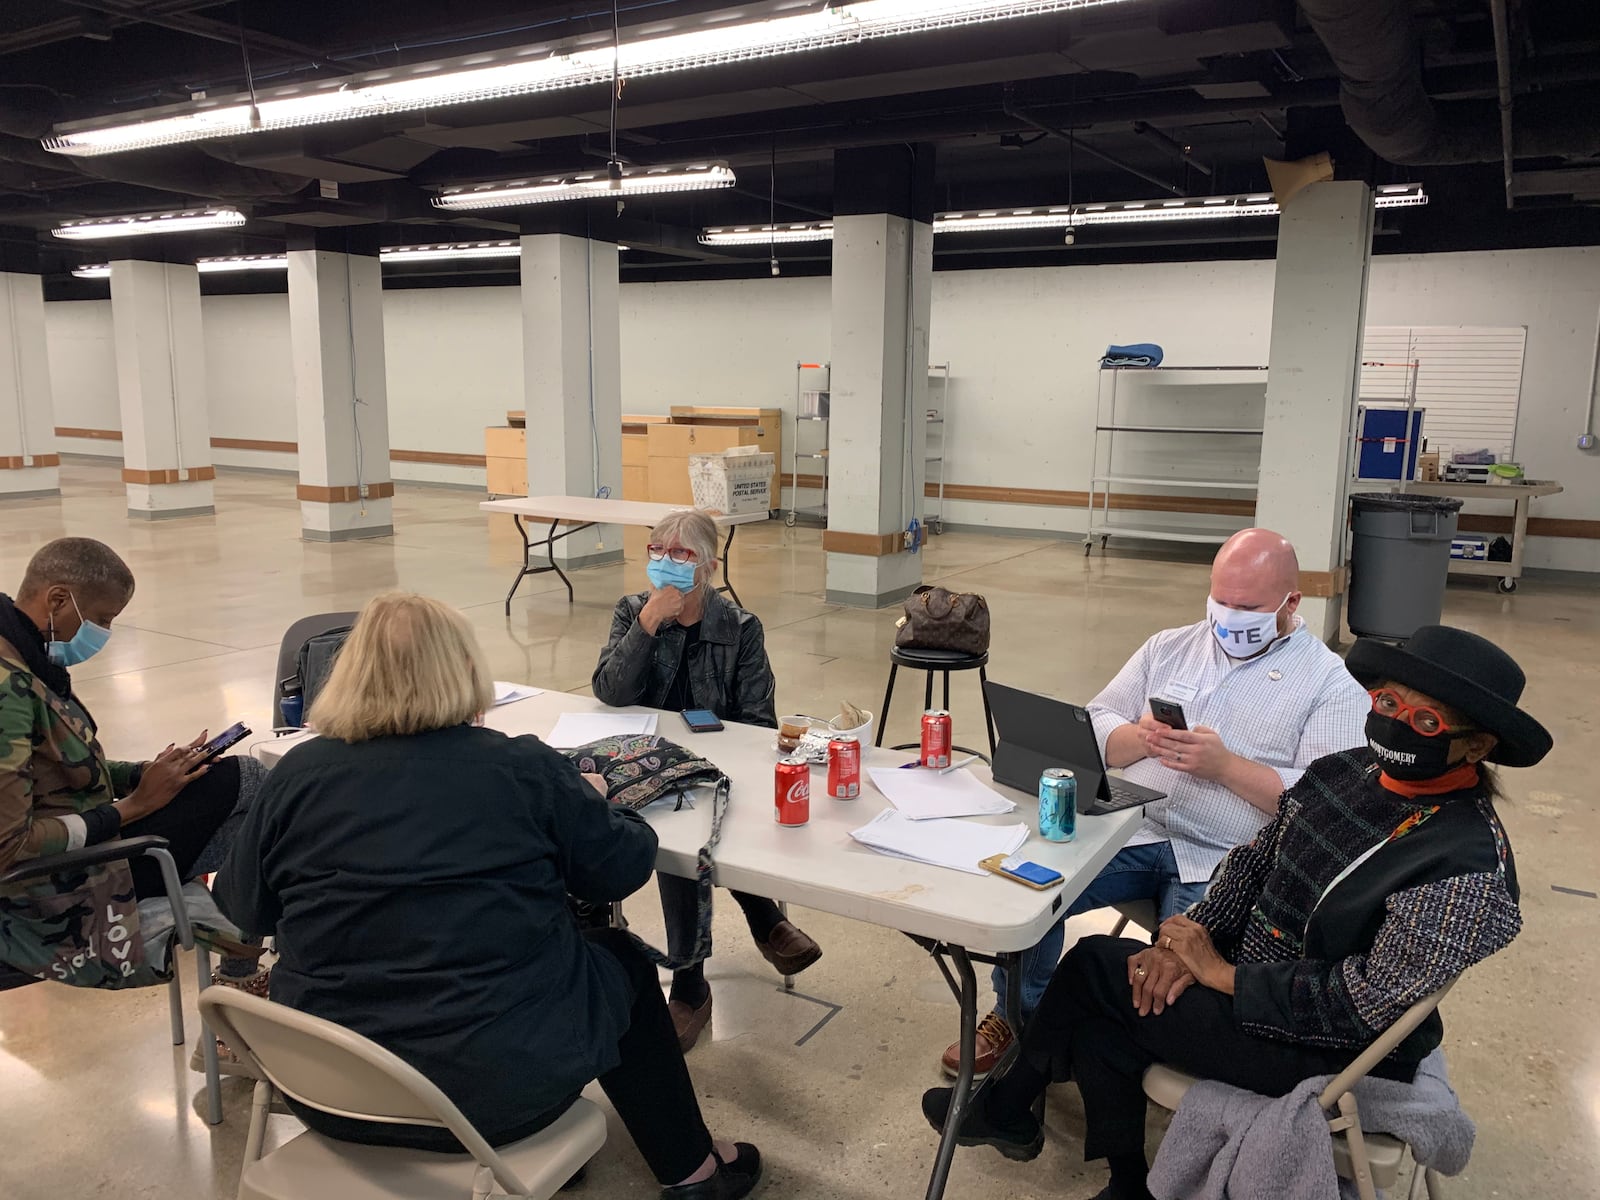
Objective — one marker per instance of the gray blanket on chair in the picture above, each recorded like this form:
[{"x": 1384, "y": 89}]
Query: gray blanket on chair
[{"x": 1229, "y": 1144}]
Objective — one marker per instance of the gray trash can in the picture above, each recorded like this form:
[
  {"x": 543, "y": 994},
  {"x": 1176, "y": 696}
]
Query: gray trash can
[{"x": 1399, "y": 558}]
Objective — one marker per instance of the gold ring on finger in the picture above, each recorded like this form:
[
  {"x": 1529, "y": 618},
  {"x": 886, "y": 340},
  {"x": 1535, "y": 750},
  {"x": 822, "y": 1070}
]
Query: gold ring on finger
[{"x": 1141, "y": 972}]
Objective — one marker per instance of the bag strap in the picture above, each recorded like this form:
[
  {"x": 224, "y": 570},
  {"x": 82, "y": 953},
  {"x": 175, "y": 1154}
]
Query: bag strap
[{"x": 704, "y": 883}]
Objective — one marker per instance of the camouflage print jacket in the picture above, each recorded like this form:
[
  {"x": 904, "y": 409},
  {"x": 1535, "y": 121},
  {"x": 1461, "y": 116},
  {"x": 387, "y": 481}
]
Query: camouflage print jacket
[{"x": 80, "y": 928}]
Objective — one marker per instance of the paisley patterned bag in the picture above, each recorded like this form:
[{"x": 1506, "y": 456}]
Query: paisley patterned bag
[{"x": 640, "y": 769}]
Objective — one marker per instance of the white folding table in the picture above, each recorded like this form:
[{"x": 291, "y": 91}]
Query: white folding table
[
  {"x": 578, "y": 513},
  {"x": 956, "y": 916}
]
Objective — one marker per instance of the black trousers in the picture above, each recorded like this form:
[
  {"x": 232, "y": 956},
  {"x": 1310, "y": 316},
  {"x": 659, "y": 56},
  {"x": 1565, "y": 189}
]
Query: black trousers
[
  {"x": 650, "y": 1087},
  {"x": 188, "y": 823},
  {"x": 680, "y": 907},
  {"x": 1087, "y": 1029}
]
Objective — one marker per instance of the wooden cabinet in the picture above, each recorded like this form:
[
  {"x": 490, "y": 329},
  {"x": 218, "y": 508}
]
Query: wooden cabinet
[
  {"x": 636, "y": 454},
  {"x": 505, "y": 454},
  {"x": 669, "y": 449},
  {"x": 767, "y": 423}
]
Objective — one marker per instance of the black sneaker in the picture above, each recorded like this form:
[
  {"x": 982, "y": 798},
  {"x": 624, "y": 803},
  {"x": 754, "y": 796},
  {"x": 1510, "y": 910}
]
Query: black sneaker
[
  {"x": 730, "y": 1181},
  {"x": 1022, "y": 1141}
]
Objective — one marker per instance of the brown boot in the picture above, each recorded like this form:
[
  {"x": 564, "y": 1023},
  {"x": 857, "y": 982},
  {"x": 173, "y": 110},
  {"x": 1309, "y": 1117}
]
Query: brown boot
[
  {"x": 994, "y": 1039},
  {"x": 229, "y": 1063}
]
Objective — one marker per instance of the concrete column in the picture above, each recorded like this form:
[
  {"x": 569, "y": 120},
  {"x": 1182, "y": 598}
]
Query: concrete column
[
  {"x": 29, "y": 464},
  {"x": 572, "y": 378},
  {"x": 1319, "y": 306},
  {"x": 161, "y": 384},
  {"x": 877, "y": 433},
  {"x": 340, "y": 390}
]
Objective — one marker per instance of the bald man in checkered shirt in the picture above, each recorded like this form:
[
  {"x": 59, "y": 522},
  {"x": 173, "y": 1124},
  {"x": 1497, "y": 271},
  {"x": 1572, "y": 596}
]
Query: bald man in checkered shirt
[{"x": 1263, "y": 699}]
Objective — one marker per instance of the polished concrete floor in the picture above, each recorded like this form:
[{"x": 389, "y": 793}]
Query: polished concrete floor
[{"x": 94, "y": 1101}]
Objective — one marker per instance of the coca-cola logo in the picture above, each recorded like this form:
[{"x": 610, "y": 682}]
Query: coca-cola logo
[{"x": 799, "y": 790}]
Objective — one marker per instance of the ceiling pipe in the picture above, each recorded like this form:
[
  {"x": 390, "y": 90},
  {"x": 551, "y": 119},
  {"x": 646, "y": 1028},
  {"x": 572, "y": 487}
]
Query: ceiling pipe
[
  {"x": 1186, "y": 153},
  {"x": 1017, "y": 114},
  {"x": 1374, "y": 46},
  {"x": 1502, "y": 69},
  {"x": 209, "y": 29}
]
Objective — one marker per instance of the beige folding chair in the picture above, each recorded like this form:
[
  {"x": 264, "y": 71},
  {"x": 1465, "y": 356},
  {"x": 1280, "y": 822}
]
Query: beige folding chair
[
  {"x": 331, "y": 1068},
  {"x": 1369, "y": 1160}
]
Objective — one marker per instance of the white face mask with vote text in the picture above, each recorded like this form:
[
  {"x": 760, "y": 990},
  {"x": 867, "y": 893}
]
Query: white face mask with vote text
[{"x": 1241, "y": 633}]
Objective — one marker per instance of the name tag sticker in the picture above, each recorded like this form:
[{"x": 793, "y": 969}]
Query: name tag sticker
[{"x": 1179, "y": 692}]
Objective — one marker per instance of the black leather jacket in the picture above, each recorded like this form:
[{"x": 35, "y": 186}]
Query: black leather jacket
[{"x": 728, "y": 668}]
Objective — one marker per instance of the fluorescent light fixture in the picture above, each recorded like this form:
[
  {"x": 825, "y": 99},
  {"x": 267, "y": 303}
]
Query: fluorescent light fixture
[
  {"x": 93, "y": 271},
  {"x": 1399, "y": 195},
  {"x": 1139, "y": 212},
  {"x": 767, "y": 235},
  {"x": 1195, "y": 208},
  {"x": 440, "y": 251},
  {"x": 534, "y": 69},
  {"x": 586, "y": 185},
  {"x": 139, "y": 224},
  {"x": 242, "y": 262},
  {"x": 985, "y": 220}
]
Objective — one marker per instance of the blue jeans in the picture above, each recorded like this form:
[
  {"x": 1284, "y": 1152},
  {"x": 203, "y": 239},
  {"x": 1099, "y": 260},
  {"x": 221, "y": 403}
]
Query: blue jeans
[{"x": 1148, "y": 872}]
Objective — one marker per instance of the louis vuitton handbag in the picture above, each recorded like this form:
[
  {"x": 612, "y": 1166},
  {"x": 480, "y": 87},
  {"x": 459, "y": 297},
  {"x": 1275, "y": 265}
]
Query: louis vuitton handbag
[{"x": 939, "y": 619}]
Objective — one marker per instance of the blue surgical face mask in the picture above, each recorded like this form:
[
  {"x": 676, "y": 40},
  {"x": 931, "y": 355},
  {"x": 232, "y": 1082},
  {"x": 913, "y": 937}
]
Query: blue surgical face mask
[
  {"x": 663, "y": 572},
  {"x": 86, "y": 643}
]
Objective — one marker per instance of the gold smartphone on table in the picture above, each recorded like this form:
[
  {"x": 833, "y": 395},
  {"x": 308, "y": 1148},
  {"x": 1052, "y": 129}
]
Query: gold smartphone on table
[{"x": 1028, "y": 874}]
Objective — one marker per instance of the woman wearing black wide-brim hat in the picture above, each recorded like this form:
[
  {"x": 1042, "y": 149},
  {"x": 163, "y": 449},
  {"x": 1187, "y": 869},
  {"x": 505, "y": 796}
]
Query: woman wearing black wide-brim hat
[{"x": 1385, "y": 874}]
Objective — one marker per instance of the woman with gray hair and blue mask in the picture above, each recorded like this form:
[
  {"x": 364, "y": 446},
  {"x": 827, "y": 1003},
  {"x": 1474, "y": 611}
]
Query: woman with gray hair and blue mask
[{"x": 681, "y": 645}]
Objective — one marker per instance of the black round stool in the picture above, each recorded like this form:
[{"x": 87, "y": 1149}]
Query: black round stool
[{"x": 942, "y": 662}]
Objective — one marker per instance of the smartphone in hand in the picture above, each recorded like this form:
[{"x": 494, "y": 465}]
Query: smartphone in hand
[
  {"x": 1168, "y": 712},
  {"x": 231, "y": 736}
]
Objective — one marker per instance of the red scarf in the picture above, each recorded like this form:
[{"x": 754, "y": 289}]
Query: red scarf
[{"x": 1456, "y": 779}]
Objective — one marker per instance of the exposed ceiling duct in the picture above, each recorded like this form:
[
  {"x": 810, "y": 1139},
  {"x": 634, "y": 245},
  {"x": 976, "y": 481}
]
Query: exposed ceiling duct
[{"x": 1373, "y": 43}]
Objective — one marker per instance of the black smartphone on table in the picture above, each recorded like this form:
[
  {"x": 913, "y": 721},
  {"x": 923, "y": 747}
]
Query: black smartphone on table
[
  {"x": 230, "y": 736},
  {"x": 701, "y": 720},
  {"x": 1168, "y": 712}
]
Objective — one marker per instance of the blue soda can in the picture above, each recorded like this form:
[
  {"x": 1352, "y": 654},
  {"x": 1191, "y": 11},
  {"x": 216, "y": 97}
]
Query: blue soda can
[{"x": 1058, "y": 805}]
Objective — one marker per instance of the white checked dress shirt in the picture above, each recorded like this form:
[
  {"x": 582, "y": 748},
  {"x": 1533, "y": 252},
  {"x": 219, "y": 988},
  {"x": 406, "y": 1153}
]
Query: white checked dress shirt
[{"x": 1284, "y": 709}]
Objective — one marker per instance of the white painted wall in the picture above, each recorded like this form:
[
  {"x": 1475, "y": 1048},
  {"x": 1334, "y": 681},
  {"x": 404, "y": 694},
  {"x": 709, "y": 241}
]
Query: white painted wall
[
  {"x": 1023, "y": 345},
  {"x": 83, "y": 370},
  {"x": 455, "y": 366}
]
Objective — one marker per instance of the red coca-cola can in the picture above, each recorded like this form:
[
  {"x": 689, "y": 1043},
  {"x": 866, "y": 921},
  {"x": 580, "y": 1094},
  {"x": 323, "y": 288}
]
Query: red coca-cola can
[
  {"x": 792, "y": 791},
  {"x": 936, "y": 735},
  {"x": 844, "y": 766}
]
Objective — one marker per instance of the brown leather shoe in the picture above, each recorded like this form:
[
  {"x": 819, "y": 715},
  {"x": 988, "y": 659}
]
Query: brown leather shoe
[
  {"x": 789, "y": 949},
  {"x": 994, "y": 1039},
  {"x": 689, "y": 1021}
]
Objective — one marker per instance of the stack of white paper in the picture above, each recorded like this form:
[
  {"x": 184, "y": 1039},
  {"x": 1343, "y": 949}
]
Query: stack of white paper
[
  {"x": 510, "y": 693},
  {"x": 579, "y": 729},
  {"x": 942, "y": 843},
  {"x": 922, "y": 794}
]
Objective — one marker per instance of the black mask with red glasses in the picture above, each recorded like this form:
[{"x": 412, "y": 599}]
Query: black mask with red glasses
[{"x": 1411, "y": 742}]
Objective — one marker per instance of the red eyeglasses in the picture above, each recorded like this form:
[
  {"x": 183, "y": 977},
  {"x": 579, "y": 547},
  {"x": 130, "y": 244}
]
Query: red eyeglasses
[
  {"x": 1429, "y": 722},
  {"x": 678, "y": 554}
]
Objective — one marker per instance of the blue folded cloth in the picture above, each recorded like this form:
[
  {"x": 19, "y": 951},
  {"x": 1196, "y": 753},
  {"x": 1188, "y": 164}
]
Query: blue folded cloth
[{"x": 1137, "y": 354}]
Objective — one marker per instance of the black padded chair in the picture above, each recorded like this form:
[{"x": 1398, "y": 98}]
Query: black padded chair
[
  {"x": 937, "y": 662},
  {"x": 297, "y": 635}
]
